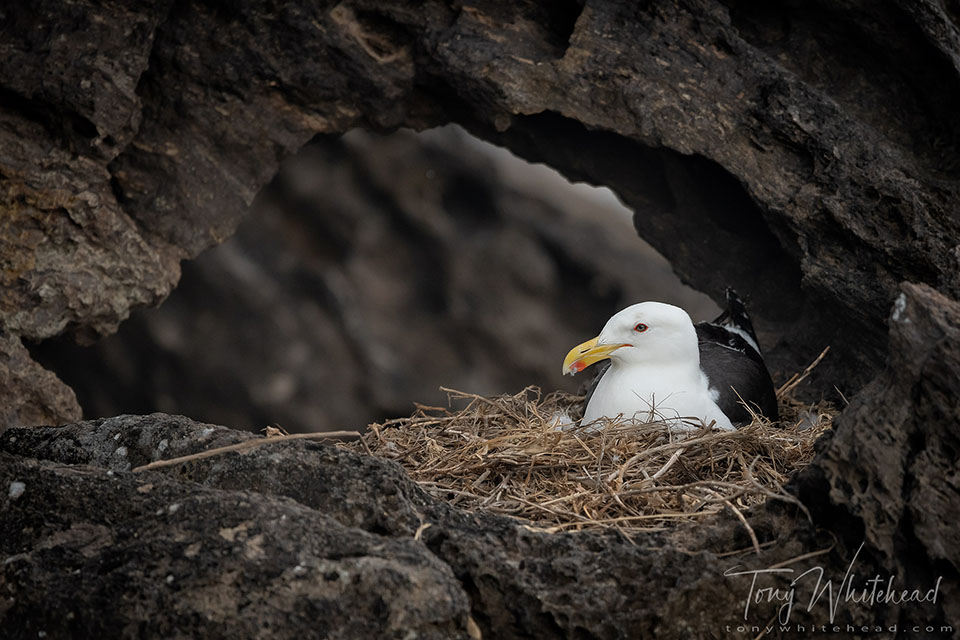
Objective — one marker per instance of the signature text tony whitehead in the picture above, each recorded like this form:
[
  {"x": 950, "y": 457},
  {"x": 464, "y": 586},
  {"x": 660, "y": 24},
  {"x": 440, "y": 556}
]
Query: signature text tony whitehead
[{"x": 870, "y": 593}]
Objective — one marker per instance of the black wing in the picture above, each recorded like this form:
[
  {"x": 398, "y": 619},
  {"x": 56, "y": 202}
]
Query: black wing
[
  {"x": 733, "y": 371},
  {"x": 732, "y": 365}
]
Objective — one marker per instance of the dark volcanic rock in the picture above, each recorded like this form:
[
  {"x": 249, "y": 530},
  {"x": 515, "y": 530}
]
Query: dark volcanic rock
[
  {"x": 806, "y": 154},
  {"x": 889, "y": 475},
  {"x": 109, "y": 552},
  {"x": 303, "y": 538}
]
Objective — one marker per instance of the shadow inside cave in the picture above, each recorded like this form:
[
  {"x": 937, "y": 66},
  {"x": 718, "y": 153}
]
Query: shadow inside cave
[{"x": 372, "y": 271}]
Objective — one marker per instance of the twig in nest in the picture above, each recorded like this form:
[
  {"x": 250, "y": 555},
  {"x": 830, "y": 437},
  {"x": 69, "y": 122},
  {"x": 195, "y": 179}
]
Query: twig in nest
[
  {"x": 666, "y": 467},
  {"x": 247, "y": 444},
  {"x": 506, "y": 455},
  {"x": 647, "y": 453},
  {"x": 743, "y": 520},
  {"x": 423, "y": 527},
  {"x": 797, "y": 378}
]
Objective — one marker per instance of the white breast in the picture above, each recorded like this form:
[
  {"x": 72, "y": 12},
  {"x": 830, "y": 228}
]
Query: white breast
[{"x": 672, "y": 394}]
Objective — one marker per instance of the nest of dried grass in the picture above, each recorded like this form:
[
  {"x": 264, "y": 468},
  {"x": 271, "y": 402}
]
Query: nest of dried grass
[{"x": 506, "y": 455}]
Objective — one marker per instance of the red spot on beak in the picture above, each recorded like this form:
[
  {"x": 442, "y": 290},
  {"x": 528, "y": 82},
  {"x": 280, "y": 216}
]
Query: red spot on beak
[{"x": 578, "y": 366}]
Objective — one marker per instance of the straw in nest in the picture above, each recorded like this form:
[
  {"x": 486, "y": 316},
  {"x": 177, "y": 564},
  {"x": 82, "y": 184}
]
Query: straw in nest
[{"x": 507, "y": 455}]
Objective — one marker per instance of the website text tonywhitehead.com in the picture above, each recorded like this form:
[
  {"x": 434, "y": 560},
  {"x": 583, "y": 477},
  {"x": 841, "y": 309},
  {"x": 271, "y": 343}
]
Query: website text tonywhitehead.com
[
  {"x": 898, "y": 630},
  {"x": 792, "y": 589}
]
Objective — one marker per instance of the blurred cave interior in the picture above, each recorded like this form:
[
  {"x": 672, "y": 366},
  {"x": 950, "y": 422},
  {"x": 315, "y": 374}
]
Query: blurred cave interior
[{"x": 373, "y": 270}]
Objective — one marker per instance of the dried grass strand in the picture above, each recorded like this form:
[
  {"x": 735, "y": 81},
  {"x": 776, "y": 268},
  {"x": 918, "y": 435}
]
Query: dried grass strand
[
  {"x": 525, "y": 455},
  {"x": 247, "y": 444}
]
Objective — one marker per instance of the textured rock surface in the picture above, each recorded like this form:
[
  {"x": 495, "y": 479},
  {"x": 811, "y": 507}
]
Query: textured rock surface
[
  {"x": 806, "y": 154},
  {"x": 31, "y": 394},
  {"x": 218, "y": 564},
  {"x": 889, "y": 475},
  {"x": 809, "y": 149},
  {"x": 303, "y": 538},
  {"x": 373, "y": 271}
]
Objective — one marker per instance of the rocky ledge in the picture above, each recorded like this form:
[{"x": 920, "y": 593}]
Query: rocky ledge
[{"x": 303, "y": 538}]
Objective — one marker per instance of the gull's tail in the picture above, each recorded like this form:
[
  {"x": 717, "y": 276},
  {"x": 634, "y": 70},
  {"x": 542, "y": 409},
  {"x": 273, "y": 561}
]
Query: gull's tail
[{"x": 736, "y": 319}]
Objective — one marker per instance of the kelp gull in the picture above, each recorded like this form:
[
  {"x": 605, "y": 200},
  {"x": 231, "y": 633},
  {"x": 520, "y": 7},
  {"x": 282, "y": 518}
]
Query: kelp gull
[{"x": 662, "y": 366}]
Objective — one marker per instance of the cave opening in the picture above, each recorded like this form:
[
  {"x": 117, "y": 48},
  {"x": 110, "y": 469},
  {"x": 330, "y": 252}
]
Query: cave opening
[
  {"x": 375, "y": 269},
  {"x": 371, "y": 271},
  {"x": 699, "y": 216}
]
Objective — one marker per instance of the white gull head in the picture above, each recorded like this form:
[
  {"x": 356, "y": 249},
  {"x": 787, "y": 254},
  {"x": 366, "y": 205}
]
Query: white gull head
[{"x": 655, "y": 369}]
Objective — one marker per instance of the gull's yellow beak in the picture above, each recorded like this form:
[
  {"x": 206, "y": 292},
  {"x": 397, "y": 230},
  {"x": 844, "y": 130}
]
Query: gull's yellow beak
[{"x": 584, "y": 355}]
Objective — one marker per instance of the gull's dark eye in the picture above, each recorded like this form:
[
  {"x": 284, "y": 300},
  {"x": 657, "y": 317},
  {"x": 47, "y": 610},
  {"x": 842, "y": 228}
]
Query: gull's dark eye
[{"x": 640, "y": 328}]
